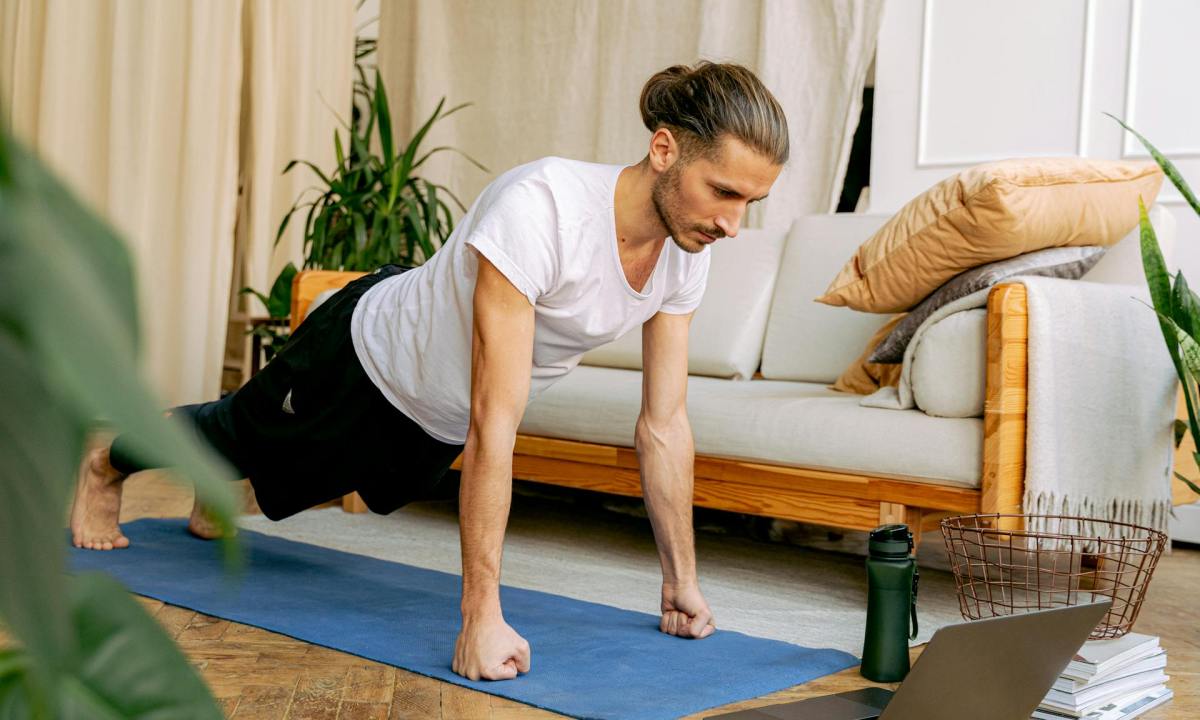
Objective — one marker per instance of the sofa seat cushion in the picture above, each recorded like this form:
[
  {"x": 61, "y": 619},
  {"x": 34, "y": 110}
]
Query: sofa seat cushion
[{"x": 782, "y": 423}]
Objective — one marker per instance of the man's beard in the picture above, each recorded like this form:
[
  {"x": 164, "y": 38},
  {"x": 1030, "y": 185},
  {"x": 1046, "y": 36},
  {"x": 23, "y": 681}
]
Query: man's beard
[{"x": 665, "y": 196}]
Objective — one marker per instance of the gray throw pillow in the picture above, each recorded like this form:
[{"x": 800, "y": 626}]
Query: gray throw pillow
[{"x": 1069, "y": 263}]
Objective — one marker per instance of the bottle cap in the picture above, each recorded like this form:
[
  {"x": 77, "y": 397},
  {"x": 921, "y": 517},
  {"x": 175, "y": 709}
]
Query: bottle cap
[{"x": 892, "y": 541}]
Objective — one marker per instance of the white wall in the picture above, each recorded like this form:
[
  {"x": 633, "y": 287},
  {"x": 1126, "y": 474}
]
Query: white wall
[{"x": 960, "y": 82}]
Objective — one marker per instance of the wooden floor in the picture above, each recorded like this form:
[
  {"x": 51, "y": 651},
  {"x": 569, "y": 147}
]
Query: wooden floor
[{"x": 258, "y": 674}]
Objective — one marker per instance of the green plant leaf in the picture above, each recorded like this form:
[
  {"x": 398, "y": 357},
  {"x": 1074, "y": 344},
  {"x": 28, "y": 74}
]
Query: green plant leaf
[
  {"x": 446, "y": 148},
  {"x": 128, "y": 667},
  {"x": 411, "y": 151},
  {"x": 1185, "y": 308},
  {"x": 1181, "y": 430},
  {"x": 431, "y": 203},
  {"x": 1191, "y": 485},
  {"x": 279, "y": 305},
  {"x": 1189, "y": 349},
  {"x": 385, "y": 118},
  {"x": 266, "y": 302},
  {"x": 1185, "y": 311},
  {"x": 1167, "y": 166},
  {"x": 452, "y": 196},
  {"x": 81, "y": 340},
  {"x": 18, "y": 695},
  {"x": 68, "y": 358},
  {"x": 35, "y": 484},
  {"x": 1158, "y": 282}
]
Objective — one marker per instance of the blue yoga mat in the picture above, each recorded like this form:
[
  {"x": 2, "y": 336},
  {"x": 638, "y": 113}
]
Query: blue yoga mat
[{"x": 589, "y": 660}]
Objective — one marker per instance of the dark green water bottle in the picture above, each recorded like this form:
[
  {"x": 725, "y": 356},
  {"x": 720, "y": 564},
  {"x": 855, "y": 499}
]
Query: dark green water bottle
[{"x": 891, "y": 603}]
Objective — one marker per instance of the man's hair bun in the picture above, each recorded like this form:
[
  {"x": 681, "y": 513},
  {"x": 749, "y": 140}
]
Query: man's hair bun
[{"x": 702, "y": 103}]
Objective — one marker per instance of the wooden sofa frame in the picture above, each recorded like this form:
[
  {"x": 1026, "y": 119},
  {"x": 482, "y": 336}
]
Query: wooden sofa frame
[{"x": 839, "y": 499}]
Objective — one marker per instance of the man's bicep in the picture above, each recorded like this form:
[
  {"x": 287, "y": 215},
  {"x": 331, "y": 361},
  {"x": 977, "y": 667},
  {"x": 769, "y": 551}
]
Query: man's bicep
[
  {"x": 501, "y": 348},
  {"x": 664, "y": 365}
]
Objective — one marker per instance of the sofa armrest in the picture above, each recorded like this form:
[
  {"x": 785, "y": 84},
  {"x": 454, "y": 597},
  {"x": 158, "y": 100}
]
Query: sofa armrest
[
  {"x": 1003, "y": 477},
  {"x": 308, "y": 284}
]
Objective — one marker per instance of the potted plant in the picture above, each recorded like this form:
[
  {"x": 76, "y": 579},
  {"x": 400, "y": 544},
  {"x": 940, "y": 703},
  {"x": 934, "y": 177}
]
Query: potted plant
[
  {"x": 371, "y": 209},
  {"x": 1177, "y": 305}
]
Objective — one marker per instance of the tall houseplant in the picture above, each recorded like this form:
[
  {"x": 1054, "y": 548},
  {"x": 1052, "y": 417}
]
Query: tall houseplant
[
  {"x": 1177, "y": 305},
  {"x": 68, "y": 353},
  {"x": 371, "y": 209}
]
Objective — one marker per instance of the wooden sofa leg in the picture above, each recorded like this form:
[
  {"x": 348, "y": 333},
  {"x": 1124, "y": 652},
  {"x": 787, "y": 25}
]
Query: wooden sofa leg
[
  {"x": 897, "y": 513},
  {"x": 352, "y": 503}
]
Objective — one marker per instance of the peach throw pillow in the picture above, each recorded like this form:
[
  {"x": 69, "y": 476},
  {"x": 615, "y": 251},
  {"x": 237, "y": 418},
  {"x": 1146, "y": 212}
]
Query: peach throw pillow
[{"x": 987, "y": 213}]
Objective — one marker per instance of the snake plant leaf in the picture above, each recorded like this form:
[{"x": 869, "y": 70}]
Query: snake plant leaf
[
  {"x": 1167, "y": 166},
  {"x": 127, "y": 666},
  {"x": 1158, "y": 281},
  {"x": 1191, "y": 485},
  {"x": 1185, "y": 309},
  {"x": 1189, "y": 349}
]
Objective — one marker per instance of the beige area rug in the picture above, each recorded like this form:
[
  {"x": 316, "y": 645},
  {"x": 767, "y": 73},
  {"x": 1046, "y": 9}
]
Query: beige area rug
[{"x": 802, "y": 595}]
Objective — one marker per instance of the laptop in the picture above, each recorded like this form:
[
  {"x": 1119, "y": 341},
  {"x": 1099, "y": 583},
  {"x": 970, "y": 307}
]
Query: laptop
[{"x": 994, "y": 669}]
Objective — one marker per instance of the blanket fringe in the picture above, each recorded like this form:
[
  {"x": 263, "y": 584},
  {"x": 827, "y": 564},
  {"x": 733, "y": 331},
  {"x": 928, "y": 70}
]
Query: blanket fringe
[{"x": 1154, "y": 514}]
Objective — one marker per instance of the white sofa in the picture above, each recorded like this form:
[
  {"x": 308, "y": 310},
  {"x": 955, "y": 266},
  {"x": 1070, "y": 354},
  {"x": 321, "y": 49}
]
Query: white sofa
[{"x": 762, "y": 357}]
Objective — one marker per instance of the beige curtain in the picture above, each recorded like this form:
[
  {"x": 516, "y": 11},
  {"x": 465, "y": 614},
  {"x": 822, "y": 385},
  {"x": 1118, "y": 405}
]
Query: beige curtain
[
  {"x": 299, "y": 57},
  {"x": 563, "y": 78},
  {"x": 137, "y": 104}
]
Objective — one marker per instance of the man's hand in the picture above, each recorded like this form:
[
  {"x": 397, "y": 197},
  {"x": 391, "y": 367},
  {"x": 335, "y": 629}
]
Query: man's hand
[
  {"x": 685, "y": 613},
  {"x": 490, "y": 650}
]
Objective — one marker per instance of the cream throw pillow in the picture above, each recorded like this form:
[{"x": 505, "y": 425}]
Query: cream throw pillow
[{"x": 987, "y": 213}]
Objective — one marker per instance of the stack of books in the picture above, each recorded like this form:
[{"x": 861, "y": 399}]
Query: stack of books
[{"x": 1110, "y": 680}]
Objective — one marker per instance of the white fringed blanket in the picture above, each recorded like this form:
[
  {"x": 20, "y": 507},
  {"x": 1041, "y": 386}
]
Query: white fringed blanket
[{"x": 1101, "y": 402}]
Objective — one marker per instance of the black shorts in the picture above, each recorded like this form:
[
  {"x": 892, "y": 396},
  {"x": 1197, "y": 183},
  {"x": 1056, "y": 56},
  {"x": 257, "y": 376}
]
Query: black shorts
[{"x": 311, "y": 426}]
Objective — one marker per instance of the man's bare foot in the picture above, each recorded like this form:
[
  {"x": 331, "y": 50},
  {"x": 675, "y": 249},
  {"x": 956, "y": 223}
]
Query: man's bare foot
[
  {"x": 97, "y": 508},
  {"x": 202, "y": 524}
]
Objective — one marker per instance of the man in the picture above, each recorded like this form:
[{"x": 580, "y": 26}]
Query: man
[{"x": 385, "y": 384}]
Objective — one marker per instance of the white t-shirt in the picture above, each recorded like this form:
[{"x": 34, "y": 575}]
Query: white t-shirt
[{"x": 549, "y": 227}]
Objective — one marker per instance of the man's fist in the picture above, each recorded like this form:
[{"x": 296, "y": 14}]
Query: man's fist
[
  {"x": 684, "y": 612},
  {"x": 490, "y": 650}
]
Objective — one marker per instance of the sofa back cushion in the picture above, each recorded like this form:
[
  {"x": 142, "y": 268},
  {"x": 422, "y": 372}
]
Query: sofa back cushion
[
  {"x": 806, "y": 340},
  {"x": 726, "y": 336}
]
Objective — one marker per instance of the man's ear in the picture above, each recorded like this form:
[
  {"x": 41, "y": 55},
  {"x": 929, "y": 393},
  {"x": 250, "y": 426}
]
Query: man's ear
[{"x": 664, "y": 150}]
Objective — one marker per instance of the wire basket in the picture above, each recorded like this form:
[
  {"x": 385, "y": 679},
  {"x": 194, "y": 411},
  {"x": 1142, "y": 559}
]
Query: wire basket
[{"x": 1002, "y": 568}]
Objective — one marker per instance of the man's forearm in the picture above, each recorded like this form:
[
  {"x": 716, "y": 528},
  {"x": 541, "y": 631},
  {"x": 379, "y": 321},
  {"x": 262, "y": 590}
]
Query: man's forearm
[
  {"x": 484, "y": 500},
  {"x": 666, "y": 456}
]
